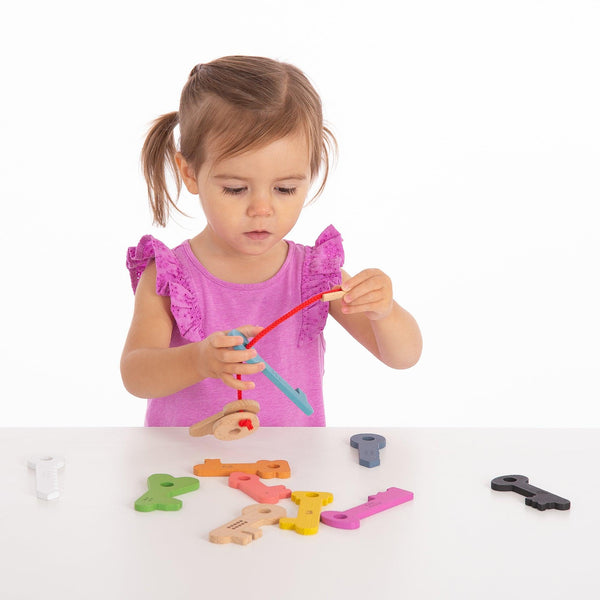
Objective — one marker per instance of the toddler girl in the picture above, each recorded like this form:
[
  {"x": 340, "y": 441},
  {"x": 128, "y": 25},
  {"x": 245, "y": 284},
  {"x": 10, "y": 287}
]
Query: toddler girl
[{"x": 252, "y": 141}]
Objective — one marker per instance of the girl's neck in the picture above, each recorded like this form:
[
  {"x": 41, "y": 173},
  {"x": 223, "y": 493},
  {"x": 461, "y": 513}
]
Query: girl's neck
[{"x": 227, "y": 265}]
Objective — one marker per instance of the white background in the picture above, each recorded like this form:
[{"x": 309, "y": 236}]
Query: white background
[{"x": 468, "y": 171}]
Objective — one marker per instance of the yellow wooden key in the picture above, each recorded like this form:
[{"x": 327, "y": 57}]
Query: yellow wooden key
[{"x": 309, "y": 512}]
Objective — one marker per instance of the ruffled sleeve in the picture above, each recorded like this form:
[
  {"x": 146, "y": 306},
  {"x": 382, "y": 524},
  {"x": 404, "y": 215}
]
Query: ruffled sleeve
[
  {"x": 320, "y": 272},
  {"x": 170, "y": 281}
]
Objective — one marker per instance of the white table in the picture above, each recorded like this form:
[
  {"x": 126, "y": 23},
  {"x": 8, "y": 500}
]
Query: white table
[{"x": 456, "y": 539}]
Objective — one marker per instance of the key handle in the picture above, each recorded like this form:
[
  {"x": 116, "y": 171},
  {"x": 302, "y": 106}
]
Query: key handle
[
  {"x": 534, "y": 497},
  {"x": 368, "y": 445}
]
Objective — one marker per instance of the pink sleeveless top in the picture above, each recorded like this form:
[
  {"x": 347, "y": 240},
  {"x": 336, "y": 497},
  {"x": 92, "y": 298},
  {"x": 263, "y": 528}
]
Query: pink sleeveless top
[{"x": 202, "y": 304}]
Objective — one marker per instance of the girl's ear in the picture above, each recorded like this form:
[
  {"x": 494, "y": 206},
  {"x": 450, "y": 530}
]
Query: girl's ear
[{"x": 187, "y": 174}]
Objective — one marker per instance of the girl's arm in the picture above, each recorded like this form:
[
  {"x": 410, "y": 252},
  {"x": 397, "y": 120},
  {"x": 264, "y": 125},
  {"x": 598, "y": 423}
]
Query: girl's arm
[
  {"x": 150, "y": 369},
  {"x": 370, "y": 314}
]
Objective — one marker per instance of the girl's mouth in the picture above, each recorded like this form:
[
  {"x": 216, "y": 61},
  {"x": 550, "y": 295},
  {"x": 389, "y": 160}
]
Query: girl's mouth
[{"x": 257, "y": 235}]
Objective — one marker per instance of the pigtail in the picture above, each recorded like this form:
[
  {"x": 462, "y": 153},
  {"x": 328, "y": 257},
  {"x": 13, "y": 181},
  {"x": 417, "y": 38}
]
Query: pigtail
[{"x": 158, "y": 157}]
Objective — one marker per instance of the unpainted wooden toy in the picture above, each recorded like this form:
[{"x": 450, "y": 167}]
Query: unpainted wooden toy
[
  {"x": 237, "y": 420},
  {"x": 246, "y": 527}
]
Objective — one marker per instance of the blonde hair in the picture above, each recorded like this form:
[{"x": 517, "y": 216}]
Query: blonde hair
[{"x": 234, "y": 104}]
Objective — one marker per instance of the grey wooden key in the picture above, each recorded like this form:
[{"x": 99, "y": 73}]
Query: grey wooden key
[
  {"x": 535, "y": 497},
  {"x": 368, "y": 445}
]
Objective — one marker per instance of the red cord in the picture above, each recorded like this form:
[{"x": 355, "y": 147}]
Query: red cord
[{"x": 281, "y": 319}]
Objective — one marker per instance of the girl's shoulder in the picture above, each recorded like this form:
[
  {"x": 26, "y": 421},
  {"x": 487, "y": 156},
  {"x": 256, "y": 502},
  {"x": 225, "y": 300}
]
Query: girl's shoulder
[
  {"x": 322, "y": 262},
  {"x": 321, "y": 271},
  {"x": 171, "y": 281},
  {"x": 150, "y": 249}
]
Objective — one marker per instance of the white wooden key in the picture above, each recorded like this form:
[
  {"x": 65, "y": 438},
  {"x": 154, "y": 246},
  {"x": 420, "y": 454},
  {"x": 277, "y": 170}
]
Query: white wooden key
[{"x": 46, "y": 475}]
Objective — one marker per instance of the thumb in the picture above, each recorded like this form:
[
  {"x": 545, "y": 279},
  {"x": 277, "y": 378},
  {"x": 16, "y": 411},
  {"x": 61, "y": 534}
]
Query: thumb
[{"x": 250, "y": 330}]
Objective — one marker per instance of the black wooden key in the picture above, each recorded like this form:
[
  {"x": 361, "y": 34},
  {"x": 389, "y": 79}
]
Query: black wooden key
[{"x": 540, "y": 499}]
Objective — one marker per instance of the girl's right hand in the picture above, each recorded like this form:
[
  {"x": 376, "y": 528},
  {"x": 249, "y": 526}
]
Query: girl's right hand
[{"x": 219, "y": 360}]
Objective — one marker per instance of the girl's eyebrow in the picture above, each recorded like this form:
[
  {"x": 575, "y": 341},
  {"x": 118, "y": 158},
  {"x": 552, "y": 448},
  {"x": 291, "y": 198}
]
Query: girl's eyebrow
[{"x": 298, "y": 177}]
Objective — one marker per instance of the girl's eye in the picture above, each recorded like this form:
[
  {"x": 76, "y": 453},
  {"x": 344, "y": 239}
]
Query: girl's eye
[
  {"x": 233, "y": 191},
  {"x": 288, "y": 191}
]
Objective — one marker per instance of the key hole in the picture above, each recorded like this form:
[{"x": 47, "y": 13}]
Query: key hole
[{"x": 167, "y": 484}]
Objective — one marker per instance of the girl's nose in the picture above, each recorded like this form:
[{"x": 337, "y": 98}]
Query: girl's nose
[{"x": 260, "y": 205}]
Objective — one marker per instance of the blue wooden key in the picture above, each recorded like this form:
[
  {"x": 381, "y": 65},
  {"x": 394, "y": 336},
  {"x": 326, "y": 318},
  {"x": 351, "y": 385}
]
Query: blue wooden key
[
  {"x": 297, "y": 396},
  {"x": 368, "y": 445}
]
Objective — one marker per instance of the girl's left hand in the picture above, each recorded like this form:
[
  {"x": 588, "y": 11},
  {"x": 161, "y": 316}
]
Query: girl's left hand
[{"x": 368, "y": 292}]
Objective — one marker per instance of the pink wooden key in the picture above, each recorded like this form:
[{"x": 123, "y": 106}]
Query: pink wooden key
[
  {"x": 255, "y": 488},
  {"x": 350, "y": 519}
]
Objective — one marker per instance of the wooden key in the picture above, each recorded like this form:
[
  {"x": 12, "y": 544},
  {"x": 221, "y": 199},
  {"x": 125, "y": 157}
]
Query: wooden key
[
  {"x": 267, "y": 469},
  {"x": 237, "y": 420},
  {"x": 350, "y": 519},
  {"x": 246, "y": 528},
  {"x": 256, "y": 489},
  {"x": 535, "y": 497},
  {"x": 309, "y": 512},
  {"x": 161, "y": 489},
  {"x": 368, "y": 445}
]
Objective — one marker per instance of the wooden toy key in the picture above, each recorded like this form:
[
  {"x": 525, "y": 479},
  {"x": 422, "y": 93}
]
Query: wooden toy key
[
  {"x": 161, "y": 489},
  {"x": 212, "y": 467},
  {"x": 256, "y": 489},
  {"x": 368, "y": 445},
  {"x": 535, "y": 497},
  {"x": 309, "y": 512},
  {"x": 237, "y": 420},
  {"x": 350, "y": 519},
  {"x": 246, "y": 528}
]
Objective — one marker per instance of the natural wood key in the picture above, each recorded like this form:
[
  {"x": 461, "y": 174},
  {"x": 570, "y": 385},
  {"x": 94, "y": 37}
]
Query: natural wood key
[
  {"x": 246, "y": 528},
  {"x": 309, "y": 512},
  {"x": 267, "y": 469}
]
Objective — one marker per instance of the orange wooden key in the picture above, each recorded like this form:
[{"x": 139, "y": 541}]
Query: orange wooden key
[{"x": 267, "y": 469}]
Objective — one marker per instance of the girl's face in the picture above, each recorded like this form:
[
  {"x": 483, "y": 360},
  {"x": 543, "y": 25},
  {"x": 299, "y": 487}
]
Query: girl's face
[{"x": 253, "y": 200}]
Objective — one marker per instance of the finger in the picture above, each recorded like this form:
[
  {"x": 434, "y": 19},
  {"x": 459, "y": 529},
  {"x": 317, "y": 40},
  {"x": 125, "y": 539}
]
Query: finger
[
  {"x": 222, "y": 340},
  {"x": 369, "y": 287},
  {"x": 250, "y": 330},
  {"x": 237, "y": 384},
  {"x": 369, "y": 297},
  {"x": 243, "y": 368},
  {"x": 370, "y": 307},
  {"x": 360, "y": 278},
  {"x": 237, "y": 356}
]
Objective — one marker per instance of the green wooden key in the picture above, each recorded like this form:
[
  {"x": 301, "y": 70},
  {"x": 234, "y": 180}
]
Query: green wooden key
[{"x": 162, "y": 488}]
